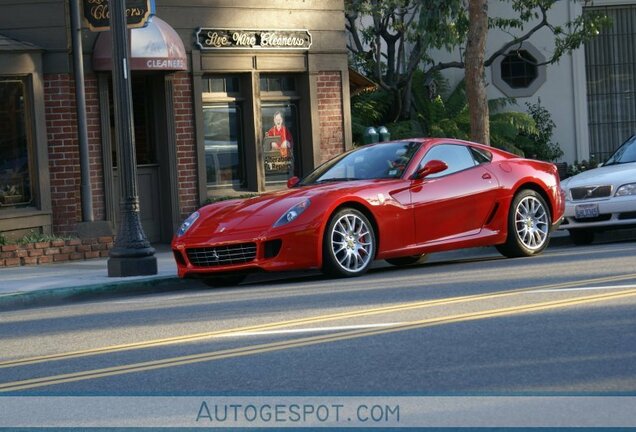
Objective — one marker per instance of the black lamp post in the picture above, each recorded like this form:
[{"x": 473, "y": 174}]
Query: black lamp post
[{"x": 132, "y": 254}]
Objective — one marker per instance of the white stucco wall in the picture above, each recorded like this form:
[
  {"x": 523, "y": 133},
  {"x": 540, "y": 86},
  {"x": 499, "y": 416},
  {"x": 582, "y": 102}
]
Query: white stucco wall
[{"x": 564, "y": 91}]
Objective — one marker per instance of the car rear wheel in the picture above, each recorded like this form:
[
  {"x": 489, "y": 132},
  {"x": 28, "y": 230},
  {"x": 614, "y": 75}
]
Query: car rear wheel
[
  {"x": 407, "y": 260},
  {"x": 528, "y": 225},
  {"x": 349, "y": 244},
  {"x": 581, "y": 237}
]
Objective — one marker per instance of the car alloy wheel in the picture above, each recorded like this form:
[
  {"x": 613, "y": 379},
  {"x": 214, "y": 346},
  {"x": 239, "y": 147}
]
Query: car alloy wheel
[
  {"x": 528, "y": 225},
  {"x": 531, "y": 222},
  {"x": 350, "y": 243}
]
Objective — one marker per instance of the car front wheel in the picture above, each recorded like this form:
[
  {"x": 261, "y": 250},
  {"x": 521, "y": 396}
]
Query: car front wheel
[
  {"x": 528, "y": 225},
  {"x": 349, "y": 244}
]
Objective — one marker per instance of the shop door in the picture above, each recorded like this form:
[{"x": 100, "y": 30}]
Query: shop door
[{"x": 148, "y": 168}]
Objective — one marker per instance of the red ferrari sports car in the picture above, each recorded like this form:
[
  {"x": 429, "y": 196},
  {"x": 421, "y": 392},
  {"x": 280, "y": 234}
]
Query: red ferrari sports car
[{"x": 395, "y": 201}]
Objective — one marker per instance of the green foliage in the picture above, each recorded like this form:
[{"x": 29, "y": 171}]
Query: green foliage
[
  {"x": 441, "y": 112},
  {"x": 448, "y": 116},
  {"x": 538, "y": 143},
  {"x": 578, "y": 167},
  {"x": 3, "y": 240},
  {"x": 37, "y": 237},
  {"x": 368, "y": 109}
]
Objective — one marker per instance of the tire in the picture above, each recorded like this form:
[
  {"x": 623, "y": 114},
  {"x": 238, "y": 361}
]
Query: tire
[
  {"x": 581, "y": 237},
  {"x": 224, "y": 280},
  {"x": 407, "y": 260},
  {"x": 528, "y": 226},
  {"x": 349, "y": 244}
]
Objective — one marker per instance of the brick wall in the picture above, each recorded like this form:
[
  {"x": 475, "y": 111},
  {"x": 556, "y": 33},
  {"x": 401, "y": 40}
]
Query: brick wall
[
  {"x": 47, "y": 252},
  {"x": 330, "y": 113},
  {"x": 187, "y": 176},
  {"x": 63, "y": 149},
  {"x": 95, "y": 147}
]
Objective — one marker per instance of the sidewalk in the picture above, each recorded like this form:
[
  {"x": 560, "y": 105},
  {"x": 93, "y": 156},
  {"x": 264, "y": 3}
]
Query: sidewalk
[
  {"x": 54, "y": 283},
  {"x": 49, "y": 284}
]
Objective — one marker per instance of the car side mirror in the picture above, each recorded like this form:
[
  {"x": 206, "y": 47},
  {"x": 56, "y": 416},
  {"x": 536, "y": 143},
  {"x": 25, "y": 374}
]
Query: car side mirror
[
  {"x": 432, "y": 167},
  {"x": 292, "y": 181}
]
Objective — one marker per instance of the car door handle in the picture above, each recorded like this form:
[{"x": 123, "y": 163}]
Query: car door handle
[{"x": 486, "y": 176}]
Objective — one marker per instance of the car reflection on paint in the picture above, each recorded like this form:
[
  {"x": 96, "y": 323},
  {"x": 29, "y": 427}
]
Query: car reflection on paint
[
  {"x": 602, "y": 198},
  {"x": 395, "y": 201}
]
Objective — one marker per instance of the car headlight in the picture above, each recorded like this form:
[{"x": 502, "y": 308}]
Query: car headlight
[
  {"x": 627, "y": 189},
  {"x": 566, "y": 192},
  {"x": 185, "y": 226},
  {"x": 292, "y": 213}
]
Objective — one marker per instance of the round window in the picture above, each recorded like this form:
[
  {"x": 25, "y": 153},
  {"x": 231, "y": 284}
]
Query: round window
[
  {"x": 519, "y": 69},
  {"x": 520, "y": 72}
]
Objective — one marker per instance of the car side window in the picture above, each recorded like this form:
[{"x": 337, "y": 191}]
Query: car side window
[
  {"x": 457, "y": 157},
  {"x": 481, "y": 156}
]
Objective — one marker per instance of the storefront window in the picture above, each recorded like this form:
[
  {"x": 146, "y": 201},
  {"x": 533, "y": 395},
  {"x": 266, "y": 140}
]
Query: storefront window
[
  {"x": 15, "y": 175},
  {"x": 280, "y": 141},
  {"x": 223, "y": 145}
]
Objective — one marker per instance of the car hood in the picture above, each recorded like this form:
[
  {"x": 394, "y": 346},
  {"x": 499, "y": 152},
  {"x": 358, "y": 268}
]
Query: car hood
[
  {"x": 259, "y": 213},
  {"x": 616, "y": 175}
]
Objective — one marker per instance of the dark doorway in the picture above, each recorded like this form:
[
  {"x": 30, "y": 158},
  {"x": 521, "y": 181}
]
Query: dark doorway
[{"x": 152, "y": 127}]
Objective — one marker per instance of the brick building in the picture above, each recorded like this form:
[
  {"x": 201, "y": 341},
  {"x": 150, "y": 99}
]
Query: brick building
[{"x": 229, "y": 98}]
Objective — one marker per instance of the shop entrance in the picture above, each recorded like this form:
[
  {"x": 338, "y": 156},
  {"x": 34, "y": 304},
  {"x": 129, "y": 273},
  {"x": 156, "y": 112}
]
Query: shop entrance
[{"x": 151, "y": 128}]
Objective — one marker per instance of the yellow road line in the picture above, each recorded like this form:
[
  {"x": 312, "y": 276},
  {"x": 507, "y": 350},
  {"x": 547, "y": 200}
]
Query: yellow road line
[
  {"x": 302, "y": 321},
  {"x": 302, "y": 342}
]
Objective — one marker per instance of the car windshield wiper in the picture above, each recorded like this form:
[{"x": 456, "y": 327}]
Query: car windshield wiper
[{"x": 336, "y": 179}]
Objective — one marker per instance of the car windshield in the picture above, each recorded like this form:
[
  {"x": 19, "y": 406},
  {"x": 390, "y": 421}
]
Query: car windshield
[
  {"x": 375, "y": 161},
  {"x": 626, "y": 153}
]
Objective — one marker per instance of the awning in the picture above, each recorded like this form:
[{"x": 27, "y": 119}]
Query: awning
[
  {"x": 154, "y": 47},
  {"x": 13, "y": 45},
  {"x": 358, "y": 83}
]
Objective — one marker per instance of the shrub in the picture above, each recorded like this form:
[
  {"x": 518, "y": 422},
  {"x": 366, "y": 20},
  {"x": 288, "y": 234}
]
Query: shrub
[{"x": 538, "y": 144}]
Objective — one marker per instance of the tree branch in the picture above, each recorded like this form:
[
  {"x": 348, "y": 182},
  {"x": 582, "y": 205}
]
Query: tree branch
[{"x": 520, "y": 39}]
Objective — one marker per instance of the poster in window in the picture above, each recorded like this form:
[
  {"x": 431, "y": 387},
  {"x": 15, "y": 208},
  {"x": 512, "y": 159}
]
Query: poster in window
[{"x": 278, "y": 142}]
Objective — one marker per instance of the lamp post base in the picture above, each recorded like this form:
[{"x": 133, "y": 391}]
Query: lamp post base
[{"x": 132, "y": 266}]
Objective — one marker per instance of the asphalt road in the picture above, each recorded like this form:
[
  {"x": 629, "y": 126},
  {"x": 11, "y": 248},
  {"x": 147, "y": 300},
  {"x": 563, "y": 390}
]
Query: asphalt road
[{"x": 468, "y": 322}]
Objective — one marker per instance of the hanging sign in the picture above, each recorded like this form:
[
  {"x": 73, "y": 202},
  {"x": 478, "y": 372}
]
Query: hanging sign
[
  {"x": 212, "y": 38},
  {"x": 97, "y": 13}
]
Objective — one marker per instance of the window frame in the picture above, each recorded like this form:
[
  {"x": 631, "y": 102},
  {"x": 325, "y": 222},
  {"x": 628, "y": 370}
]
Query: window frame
[
  {"x": 27, "y": 88},
  {"x": 534, "y": 86},
  {"x": 469, "y": 150},
  {"x": 287, "y": 97}
]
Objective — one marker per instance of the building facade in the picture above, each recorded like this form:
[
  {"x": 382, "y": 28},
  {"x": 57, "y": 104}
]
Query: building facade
[{"x": 229, "y": 98}]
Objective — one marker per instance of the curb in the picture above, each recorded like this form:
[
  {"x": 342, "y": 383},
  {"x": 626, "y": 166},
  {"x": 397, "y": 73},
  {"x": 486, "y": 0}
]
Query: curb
[{"x": 56, "y": 296}]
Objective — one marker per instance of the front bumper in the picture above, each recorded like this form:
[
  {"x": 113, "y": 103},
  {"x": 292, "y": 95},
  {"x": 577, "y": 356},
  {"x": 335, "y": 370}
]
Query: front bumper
[
  {"x": 277, "y": 250},
  {"x": 616, "y": 211}
]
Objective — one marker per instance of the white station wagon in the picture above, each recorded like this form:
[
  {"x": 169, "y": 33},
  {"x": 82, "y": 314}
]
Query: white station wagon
[{"x": 602, "y": 198}]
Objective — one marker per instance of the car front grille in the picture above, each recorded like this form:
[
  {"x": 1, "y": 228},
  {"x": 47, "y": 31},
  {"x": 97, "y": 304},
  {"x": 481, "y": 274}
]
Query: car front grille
[
  {"x": 590, "y": 192},
  {"x": 222, "y": 255}
]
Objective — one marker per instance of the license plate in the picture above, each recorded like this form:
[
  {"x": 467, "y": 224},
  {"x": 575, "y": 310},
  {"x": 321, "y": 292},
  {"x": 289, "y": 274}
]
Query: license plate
[{"x": 586, "y": 211}]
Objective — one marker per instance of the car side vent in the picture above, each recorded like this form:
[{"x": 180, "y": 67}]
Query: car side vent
[
  {"x": 492, "y": 214},
  {"x": 178, "y": 257},
  {"x": 272, "y": 248}
]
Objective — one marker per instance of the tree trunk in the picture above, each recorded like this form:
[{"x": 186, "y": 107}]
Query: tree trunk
[{"x": 475, "y": 82}]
